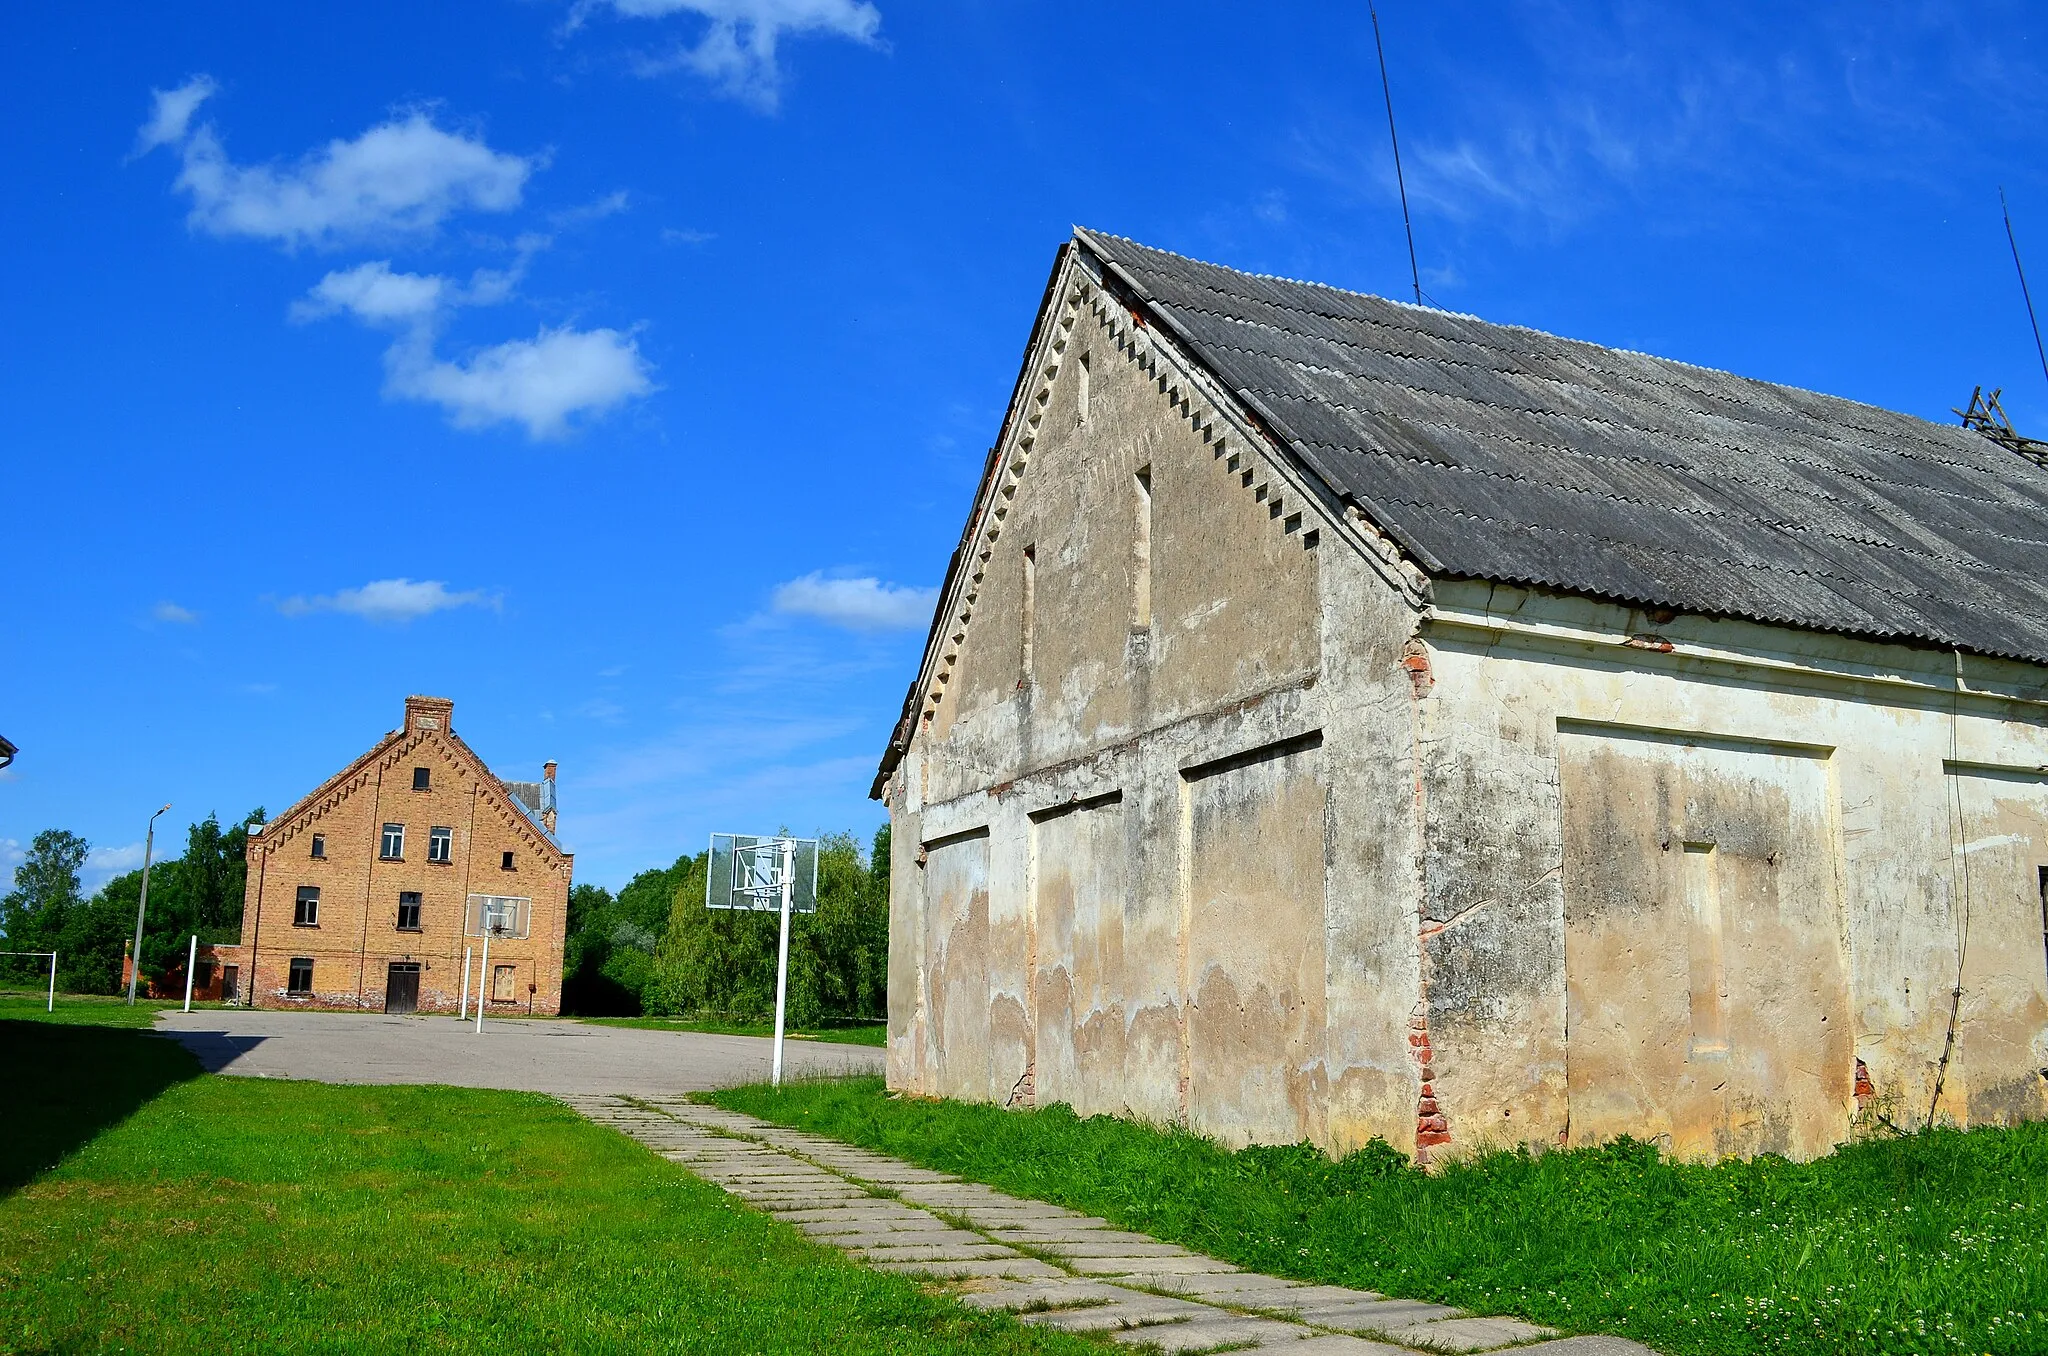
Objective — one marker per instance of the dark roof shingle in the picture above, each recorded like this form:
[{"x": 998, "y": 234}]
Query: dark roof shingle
[{"x": 1495, "y": 452}]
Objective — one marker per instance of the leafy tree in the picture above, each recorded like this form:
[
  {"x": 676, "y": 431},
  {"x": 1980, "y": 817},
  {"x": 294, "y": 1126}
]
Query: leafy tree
[
  {"x": 199, "y": 892},
  {"x": 608, "y": 954},
  {"x": 723, "y": 962},
  {"x": 34, "y": 914}
]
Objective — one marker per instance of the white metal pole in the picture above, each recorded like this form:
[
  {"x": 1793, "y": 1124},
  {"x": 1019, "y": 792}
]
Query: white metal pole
[
  {"x": 53, "y": 983},
  {"x": 483, "y": 974},
  {"x": 782, "y": 959},
  {"x": 462, "y": 1012},
  {"x": 191, "y": 960}
]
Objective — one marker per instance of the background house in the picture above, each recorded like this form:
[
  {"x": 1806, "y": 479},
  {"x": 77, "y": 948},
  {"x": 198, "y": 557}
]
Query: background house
[{"x": 367, "y": 893}]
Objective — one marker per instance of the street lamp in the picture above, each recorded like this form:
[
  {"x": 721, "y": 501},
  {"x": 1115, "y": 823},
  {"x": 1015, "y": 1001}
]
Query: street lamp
[{"x": 141, "y": 907}]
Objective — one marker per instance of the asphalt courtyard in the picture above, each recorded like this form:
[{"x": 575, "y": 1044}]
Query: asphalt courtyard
[{"x": 559, "y": 1056}]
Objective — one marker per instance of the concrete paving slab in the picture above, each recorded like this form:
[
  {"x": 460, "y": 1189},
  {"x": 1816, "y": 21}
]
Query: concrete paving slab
[
  {"x": 1022, "y": 1268},
  {"x": 1089, "y": 1247},
  {"x": 1131, "y": 1266},
  {"x": 1377, "y": 1315},
  {"x": 1468, "y": 1334},
  {"x": 935, "y": 1252},
  {"x": 918, "y": 1238},
  {"x": 1587, "y": 1346},
  {"x": 1064, "y": 1293},
  {"x": 872, "y": 1209},
  {"x": 1206, "y": 1334},
  {"x": 1325, "y": 1297},
  {"x": 1132, "y": 1311},
  {"x": 1241, "y": 1288},
  {"x": 1049, "y": 1237},
  {"x": 837, "y": 1229},
  {"x": 1328, "y": 1345}
]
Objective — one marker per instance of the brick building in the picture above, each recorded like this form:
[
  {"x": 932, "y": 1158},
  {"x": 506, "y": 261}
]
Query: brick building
[{"x": 368, "y": 892}]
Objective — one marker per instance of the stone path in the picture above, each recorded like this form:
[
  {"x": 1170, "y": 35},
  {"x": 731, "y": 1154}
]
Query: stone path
[{"x": 1048, "y": 1265}]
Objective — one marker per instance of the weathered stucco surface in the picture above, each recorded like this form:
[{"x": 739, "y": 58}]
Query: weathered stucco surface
[
  {"x": 1122, "y": 796},
  {"x": 1685, "y": 874},
  {"x": 1217, "y": 813}
]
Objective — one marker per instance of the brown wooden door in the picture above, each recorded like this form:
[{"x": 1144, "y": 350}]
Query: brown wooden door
[{"x": 402, "y": 987}]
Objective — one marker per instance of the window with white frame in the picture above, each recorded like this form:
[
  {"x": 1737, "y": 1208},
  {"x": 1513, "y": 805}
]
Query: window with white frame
[
  {"x": 393, "y": 848},
  {"x": 306, "y": 909},
  {"x": 440, "y": 844}
]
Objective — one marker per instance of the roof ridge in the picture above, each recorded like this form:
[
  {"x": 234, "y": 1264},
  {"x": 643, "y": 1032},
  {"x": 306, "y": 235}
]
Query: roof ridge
[{"x": 1086, "y": 232}]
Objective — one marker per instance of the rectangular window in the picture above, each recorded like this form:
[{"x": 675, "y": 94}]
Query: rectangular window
[
  {"x": 320, "y": 847},
  {"x": 1030, "y": 609},
  {"x": 422, "y": 779},
  {"x": 394, "y": 843},
  {"x": 1083, "y": 392},
  {"x": 300, "y": 980},
  {"x": 307, "y": 912},
  {"x": 408, "y": 911},
  {"x": 506, "y": 863},
  {"x": 440, "y": 844},
  {"x": 501, "y": 983},
  {"x": 1141, "y": 552}
]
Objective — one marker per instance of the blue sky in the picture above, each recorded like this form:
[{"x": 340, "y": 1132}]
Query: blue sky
[{"x": 622, "y": 369}]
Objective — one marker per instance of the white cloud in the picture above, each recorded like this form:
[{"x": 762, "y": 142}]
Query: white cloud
[
  {"x": 401, "y": 177},
  {"x": 611, "y": 204},
  {"x": 857, "y": 604},
  {"x": 388, "y": 600},
  {"x": 737, "y": 49},
  {"x": 171, "y": 612},
  {"x": 374, "y": 294},
  {"x": 542, "y": 383},
  {"x": 112, "y": 861},
  {"x": 171, "y": 114}
]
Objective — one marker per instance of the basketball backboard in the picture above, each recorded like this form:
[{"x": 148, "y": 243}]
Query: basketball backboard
[{"x": 746, "y": 873}]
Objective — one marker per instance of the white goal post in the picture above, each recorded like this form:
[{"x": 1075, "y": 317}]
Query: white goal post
[{"x": 51, "y": 1003}]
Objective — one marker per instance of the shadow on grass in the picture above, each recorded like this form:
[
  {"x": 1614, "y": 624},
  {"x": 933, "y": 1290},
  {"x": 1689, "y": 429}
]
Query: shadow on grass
[{"x": 69, "y": 1083}]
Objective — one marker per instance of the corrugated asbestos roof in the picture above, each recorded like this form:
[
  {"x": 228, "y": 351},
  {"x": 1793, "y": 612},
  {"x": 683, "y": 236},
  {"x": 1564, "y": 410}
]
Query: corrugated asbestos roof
[{"x": 1494, "y": 452}]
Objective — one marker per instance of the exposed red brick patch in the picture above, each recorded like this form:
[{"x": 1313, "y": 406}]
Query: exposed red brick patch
[{"x": 1416, "y": 661}]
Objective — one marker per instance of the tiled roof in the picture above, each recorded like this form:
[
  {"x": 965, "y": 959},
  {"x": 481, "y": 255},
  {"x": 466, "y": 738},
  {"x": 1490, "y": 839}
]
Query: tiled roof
[{"x": 1496, "y": 452}]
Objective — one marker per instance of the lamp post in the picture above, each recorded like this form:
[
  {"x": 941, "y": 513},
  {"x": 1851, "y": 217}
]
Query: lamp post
[{"x": 141, "y": 907}]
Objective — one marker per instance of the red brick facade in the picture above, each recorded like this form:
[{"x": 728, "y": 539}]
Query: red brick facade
[{"x": 342, "y": 912}]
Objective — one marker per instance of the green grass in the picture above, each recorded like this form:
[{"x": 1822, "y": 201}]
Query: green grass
[
  {"x": 88, "y": 1009},
  {"x": 155, "y": 1208},
  {"x": 849, "y": 1032},
  {"x": 1933, "y": 1243}
]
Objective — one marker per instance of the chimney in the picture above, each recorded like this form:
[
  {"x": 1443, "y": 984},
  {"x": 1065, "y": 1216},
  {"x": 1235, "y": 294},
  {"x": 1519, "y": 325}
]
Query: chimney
[
  {"x": 428, "y": 713},
  {"x": 547, "y": 794}
]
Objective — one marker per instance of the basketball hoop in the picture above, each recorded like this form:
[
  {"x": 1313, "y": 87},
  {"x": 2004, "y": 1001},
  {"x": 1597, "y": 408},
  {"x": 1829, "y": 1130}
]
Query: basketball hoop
[{"x": 762, "y": 875}]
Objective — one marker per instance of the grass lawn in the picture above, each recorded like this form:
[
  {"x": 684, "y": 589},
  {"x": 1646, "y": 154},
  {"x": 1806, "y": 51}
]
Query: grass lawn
[
  {"x": 845, "y": 1033},
  {"x": 89, "y": 1009},
  {"x": 1933, "y": 1243},
  {"x": 149, "y": 1207}
]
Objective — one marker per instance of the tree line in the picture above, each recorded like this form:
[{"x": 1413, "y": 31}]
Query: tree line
[
  {"x": 199, "y": 891},
  {"x": 654, "y": 948}
]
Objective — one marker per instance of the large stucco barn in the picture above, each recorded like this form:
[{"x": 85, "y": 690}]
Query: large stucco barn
[{"x": 1348, "y": 719}]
